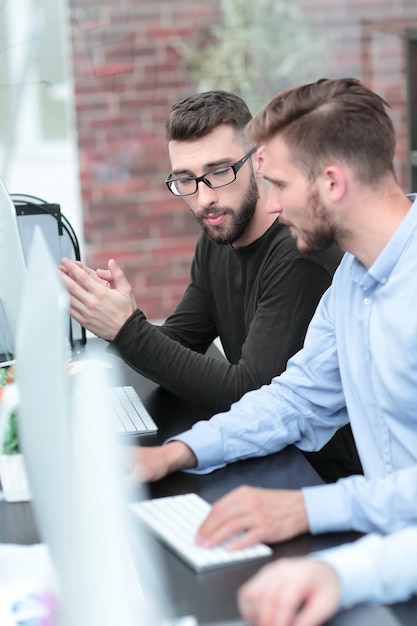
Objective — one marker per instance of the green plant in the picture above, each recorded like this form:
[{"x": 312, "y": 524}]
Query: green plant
[
  {"x": 10, "y": 443},
  {"x": 256, "y": 49},
  {"x": 11, "y": 435}
]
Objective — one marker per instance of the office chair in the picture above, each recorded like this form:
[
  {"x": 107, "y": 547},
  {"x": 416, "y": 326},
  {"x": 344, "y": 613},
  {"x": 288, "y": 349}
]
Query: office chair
[{"x": 61, "y": 239}]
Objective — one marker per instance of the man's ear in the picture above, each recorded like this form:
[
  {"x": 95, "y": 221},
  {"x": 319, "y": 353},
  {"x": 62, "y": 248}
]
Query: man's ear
[
  {"x": 334, "y": 182},
  {"x": 259, "y": 158}
]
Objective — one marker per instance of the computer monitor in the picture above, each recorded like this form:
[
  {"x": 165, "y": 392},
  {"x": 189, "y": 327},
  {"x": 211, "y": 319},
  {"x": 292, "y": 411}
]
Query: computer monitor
[
  {"x": 74, "y": 469},
  {"x": 60, "y": 237},
  {"x": 12, "y": 274}
]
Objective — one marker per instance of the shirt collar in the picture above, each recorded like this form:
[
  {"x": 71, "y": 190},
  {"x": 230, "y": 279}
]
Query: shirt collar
[{"x": 384, "y": 264}]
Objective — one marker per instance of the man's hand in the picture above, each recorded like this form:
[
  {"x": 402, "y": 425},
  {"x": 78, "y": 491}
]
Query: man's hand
[
  {"x": 101, "y": 301},
  {"x": 267, "y": 515},
  {"x": 101, "y": 276},
  {"x": 149, "y": 464},
  {"x": 290, "y": 592}
]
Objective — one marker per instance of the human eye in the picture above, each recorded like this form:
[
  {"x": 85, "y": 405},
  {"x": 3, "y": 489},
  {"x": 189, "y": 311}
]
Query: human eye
[
  {"x": 182, "y": 186},
  {"x": 185, "y": 184},
  {"x": 219, "y": 173},
  {"x": 220, "y": 176},
  {"x": 276, "y": 184},
  {"x": 185, "y": 181}
]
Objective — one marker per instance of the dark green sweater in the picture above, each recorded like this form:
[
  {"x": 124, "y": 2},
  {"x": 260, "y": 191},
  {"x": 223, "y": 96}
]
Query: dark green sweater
[{"x": 258, "y": 299}]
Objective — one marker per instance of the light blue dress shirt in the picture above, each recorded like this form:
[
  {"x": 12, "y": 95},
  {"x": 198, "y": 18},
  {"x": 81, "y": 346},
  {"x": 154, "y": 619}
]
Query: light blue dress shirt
[
  {"x": 359, "y": 363},
  {"x": 375, "y": 568}
]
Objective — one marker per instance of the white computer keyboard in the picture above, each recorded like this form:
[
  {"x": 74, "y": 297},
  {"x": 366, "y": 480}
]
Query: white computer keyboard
[
  {"x": 175, "y": 521},
  {"x": 128, "y": 412}
]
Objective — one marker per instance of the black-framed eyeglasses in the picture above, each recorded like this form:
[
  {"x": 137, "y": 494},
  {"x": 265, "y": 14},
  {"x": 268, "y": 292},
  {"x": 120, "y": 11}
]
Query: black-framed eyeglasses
[{"x": 218, "y": 177}]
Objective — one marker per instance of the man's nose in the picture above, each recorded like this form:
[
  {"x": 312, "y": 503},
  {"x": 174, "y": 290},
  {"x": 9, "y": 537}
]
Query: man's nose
[{"x": 207, "y": 196}]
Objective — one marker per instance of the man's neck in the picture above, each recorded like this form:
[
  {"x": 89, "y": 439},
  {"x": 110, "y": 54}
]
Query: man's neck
[
  {"x": 260, "y": 223},
  {"x": 373, "y": 223}
]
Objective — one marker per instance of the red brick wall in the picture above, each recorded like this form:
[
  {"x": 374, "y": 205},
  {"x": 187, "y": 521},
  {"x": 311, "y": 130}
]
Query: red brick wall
[
  {"x": 127, "y": 73},
  {"x": 128, "y": 69},
  {"x": 366, "y": 39}
]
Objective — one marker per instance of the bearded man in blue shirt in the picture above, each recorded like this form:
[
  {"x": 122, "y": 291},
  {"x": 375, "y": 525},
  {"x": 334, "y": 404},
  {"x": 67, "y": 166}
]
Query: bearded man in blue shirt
[{"x": 328, "y": 156}]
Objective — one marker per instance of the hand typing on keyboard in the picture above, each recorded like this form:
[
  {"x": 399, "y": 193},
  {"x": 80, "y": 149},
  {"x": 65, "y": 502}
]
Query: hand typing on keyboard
[
  {"x": 268, "y": 515},
  {"x": 176, "y": 519}
]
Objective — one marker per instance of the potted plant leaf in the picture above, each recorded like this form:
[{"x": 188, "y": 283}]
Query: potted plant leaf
[{"x": 12, "y": 467}]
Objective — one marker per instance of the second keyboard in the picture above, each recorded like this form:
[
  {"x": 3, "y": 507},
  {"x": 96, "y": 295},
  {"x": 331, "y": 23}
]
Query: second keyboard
[{"x": 130, "y": 416}]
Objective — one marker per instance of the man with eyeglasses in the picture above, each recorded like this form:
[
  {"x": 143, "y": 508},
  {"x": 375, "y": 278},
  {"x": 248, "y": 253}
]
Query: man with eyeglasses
[{"x": 249, "y": 284}]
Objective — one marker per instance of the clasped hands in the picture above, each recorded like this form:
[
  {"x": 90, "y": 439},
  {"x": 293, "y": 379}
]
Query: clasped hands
[{"x": 100, "y": 300}]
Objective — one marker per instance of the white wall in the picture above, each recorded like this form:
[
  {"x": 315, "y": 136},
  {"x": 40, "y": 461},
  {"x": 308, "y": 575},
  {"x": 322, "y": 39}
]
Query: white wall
[{"x": 38, "y": 154}]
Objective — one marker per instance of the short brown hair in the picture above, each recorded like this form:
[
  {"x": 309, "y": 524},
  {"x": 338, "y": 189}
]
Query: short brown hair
[
  {"x": 198, "y": 115},
  {"x": 331, "y": 119}
]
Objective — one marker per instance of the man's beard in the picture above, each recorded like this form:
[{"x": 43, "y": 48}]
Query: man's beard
[
  {"x": 322, "y": 233},
  {"x": 240, "y": 219}
]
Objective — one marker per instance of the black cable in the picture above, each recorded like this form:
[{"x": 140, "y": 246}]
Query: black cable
[{"x": 31, "y": 205}]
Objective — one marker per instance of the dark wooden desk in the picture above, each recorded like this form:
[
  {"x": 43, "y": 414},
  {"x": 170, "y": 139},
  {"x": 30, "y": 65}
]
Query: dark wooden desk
[{"x": 212, "y": 596}]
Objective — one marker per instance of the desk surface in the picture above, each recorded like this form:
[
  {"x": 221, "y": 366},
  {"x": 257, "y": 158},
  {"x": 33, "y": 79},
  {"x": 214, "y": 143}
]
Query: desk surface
[{"x": 212, "y": 596}]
